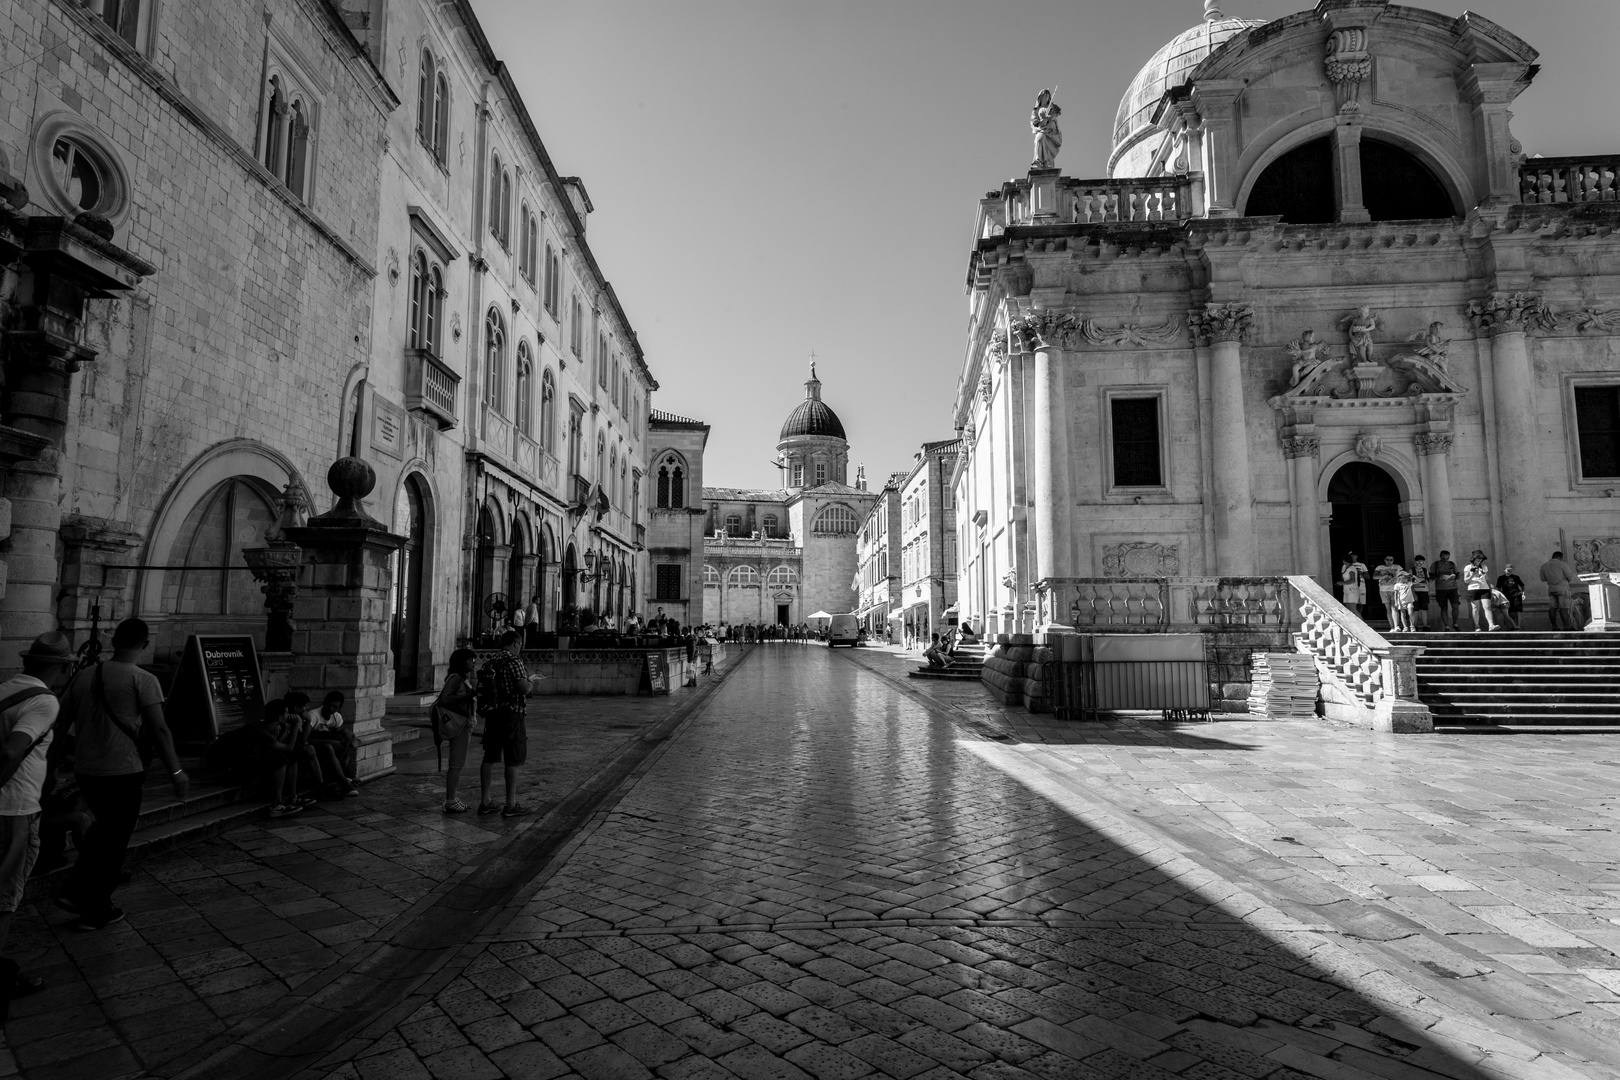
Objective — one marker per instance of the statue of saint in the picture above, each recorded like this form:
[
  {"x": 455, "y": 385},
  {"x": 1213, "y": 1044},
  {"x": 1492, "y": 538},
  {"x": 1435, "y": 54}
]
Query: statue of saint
[
  {"x": 1359, "y": 328},
  {"x": 1048, "y": 139},
  {"x": 1304, "y": 353}
]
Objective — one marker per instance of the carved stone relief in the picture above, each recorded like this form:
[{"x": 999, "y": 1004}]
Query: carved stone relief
[
  {"x": 1347, "y": 64},
  {"x": 1295, "y": 446},
  {"x": 1432, "y": 442},
  {"x": 1141, "y": 559},
  {"x": 1221, "y": 322},
  {"x": 1128, "y": 335},
  {"x": 1598, "y": 555},
  {"x": 1359, "y": 374},
  {"x": 1368, "y": 445}
]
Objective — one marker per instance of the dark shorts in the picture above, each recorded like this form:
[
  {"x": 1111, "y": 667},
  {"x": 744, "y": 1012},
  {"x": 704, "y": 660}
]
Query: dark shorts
[
  {"x": 505, "y": 742},
  {"x": 1420, "y": 601},
  {"x": 1479, "y": 596},
  {"x": 1445, "y": 596}
]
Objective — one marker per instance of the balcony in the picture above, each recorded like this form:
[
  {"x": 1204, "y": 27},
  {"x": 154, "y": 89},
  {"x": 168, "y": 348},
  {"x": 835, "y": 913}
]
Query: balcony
[
  {"x": 1570, "y": 180},
  {"x": 579, "y": 491},
  {"x": 430, "y": 387},
  {"x": 1063, "y": 200},
  {"x": 641, "y": 538}
]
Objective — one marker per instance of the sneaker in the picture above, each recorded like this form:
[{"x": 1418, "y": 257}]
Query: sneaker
[
  {"x": 514, "y": 811},
  {"x": 352, "y": 793},
  {"x": 485, "y": 811},
  {"x": 284, "y": 809},
  {"x": 112, "y": 915},
  {"x": 307, "y": 800},
  {"x": 457, "y": 807}
]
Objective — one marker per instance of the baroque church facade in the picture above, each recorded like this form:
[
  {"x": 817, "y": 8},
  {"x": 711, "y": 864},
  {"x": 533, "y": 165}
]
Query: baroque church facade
[
  {"x": 739, "y": 556},
  {"x": 1322, "y": 303}
]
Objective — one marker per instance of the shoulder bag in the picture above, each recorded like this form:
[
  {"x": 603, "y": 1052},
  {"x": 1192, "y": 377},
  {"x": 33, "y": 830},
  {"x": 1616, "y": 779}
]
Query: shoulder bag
[{"x": 143, "y": 737}]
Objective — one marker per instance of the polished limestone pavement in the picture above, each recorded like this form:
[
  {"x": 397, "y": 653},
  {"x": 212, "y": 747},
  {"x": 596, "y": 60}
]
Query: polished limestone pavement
[{"x": 826, "y": 873}]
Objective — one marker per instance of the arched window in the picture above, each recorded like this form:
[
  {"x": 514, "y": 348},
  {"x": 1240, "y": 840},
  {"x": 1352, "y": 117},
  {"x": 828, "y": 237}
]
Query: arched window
[
  {"x": 550, "y": 293},
  {"x": 525, "y": 390},
  {"x": 525, "y": 243},
  {"x": 576, "y": 329},
  {"x": 555, "y": 263},
  {"x": 734, "y": 525},
  {"x": 275, "y": 121},
  {"x": 836, "y": 520},
  {"x": 506, "y": 210},
  {"x": 441, "y": 118},
  {"x": 495, "y": 173},
  {"x": 624, "y": 475},
  {"x": 548, "y": 412},
  {"x": 613, "y": 476},
  {"x": 495, "y": 362},
  {"x": 419, "y": 287},
  {"x": 206, "y": 574},
  {"x": 770, "y": 524},
  {"x": 744, "y": 575},
  {"x": 783, "y": 577},
  {"x": 424, "y": 99},
  {"x": 297, "y": 148},
  {"x": 671, "y": 483},
  {"x": 435, "y": 305},
  {"x": 711, "y": 576},
  {"x": 601, "y": 461},
  {"x": 798, "y": 474}
]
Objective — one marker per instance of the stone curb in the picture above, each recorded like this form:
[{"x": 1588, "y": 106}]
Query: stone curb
[{"x": 328, "y": 1010}]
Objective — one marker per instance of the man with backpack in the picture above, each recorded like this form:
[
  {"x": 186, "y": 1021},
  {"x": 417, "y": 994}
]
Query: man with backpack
[
  {"x": 115, "y": 711},
  {"x": 28, "y": 712}
]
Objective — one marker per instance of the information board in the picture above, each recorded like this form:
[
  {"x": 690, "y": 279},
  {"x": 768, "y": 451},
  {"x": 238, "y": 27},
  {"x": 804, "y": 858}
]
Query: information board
[
  {"x": 654, "y": 673},
  {"x": 217, "y": 689}
]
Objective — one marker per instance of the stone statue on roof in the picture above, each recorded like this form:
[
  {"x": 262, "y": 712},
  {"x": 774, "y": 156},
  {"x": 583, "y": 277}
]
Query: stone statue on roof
[{"x": 1048, "y": 139}]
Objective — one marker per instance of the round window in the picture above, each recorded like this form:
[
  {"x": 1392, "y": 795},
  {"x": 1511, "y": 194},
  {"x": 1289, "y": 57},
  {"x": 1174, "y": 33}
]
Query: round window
[{"x": 75, "y": 171}]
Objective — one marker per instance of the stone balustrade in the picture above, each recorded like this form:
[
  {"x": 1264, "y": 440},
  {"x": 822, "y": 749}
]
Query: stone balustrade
[
  {"x": 1365, "y": 679},
  {"x": 1259, "y": 603},
  {"x": 1570, "y": 179},
  {"x": 1161, "y": 198}
]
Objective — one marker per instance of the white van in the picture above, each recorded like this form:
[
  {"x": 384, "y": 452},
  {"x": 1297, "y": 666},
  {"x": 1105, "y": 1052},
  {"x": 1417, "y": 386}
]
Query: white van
[{"x": 843, "y": 630}]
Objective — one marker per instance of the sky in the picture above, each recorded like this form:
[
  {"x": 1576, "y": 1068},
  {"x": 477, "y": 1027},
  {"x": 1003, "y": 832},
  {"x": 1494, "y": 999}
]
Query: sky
[{"x": 773, "y": 178}]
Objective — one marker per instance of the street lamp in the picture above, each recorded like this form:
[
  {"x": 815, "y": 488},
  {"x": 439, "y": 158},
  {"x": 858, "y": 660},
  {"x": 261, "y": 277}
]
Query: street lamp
[{"x": 275, "y": 568}]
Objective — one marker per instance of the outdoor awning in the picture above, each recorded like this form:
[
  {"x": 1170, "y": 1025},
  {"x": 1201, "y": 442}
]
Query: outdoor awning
[
  {"x": 950, "y": 610},
  {"x": 897, "y": 614},
  {"x": 819, "y": 615}
]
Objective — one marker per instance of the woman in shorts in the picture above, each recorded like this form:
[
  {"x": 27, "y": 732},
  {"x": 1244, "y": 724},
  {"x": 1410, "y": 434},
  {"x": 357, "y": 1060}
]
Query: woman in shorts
[
  {"x": 1353, "y": 574},
  {"x": 457, "y": 697},
  {"x": 1420, "y": 592}
]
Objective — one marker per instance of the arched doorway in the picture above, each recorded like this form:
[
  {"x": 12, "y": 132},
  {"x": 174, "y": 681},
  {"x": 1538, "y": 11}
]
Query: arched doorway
[
  {"x": 570, "y": 578},
  {"x": 1366, "y": 520},
  {"x": 486, "y": 579},
  {"x": 517, "y": 586},
  {"x": 410, "y": 577}
]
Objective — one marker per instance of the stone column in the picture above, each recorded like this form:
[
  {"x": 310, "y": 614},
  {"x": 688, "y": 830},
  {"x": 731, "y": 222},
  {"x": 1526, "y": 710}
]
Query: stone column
[
  {"x": 1225, "y": 328},
  {"x": 63, "y": 265},
  {"x": 1301, "y": 452},
  {"x": 1347, "y": 171},
  {"x": 1434, "y": 448},
  {"x": 342, "y": 639},
  {"x": 1507, "y": 318}
]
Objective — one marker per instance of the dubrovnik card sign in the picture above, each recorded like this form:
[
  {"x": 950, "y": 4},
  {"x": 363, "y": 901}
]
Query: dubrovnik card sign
[{"x": 217, "y": 689}]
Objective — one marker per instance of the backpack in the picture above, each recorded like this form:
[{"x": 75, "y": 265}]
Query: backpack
[{"x": 484, "y": 690}]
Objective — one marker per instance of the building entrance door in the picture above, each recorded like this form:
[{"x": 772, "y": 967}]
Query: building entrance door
[
  {"x": 407, "y": 635},
  {"x": 1367, "y": 521},
  {"x": 782, "y": 614}
]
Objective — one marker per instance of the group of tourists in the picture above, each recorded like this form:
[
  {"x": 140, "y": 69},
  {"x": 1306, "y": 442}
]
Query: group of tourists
[{"x": 1409, "y": 593}]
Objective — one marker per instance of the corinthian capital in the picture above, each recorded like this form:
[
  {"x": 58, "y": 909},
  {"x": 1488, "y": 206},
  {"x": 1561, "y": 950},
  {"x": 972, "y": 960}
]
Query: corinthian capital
[
  {"x": 1432, "y": 442},
  {"x": 1505, "y": 313},
  {"x": 1044, "y": 329},
  {"x": 1221, "y": 322},
  {"x": 1296, "y": 446}
]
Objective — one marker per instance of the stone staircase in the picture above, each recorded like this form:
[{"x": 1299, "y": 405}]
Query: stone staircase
[
  {"x": 967, "y": 663},
  {"x": 1511, "y": 678}
]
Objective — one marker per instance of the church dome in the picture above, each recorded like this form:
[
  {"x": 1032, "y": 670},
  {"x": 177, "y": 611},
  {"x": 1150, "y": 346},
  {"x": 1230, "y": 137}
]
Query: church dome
[
  {"x": 812, "y": 417},
  {"x": 1169, "y": 68}
]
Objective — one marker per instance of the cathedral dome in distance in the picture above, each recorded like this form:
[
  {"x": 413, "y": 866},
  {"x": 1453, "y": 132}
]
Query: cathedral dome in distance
[
  {"x": 812, "y": 417},
  {"x": 1169, "y": 68}
]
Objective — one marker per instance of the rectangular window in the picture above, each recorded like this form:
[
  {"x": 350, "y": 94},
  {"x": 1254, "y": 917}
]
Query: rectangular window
[
  {"x": 821, "y": 473},
  {"x": 1597, "y": 423},
  {"x": 1136, "y": 442},
  {"x": 669, "y": 582}
]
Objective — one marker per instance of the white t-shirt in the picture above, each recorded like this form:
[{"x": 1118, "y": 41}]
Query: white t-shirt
[{"x": 20, "y": 795}]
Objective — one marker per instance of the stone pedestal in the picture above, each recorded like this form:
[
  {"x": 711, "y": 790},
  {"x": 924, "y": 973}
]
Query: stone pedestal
[
  {"x": 1398, "y": 709},
  {"x": 1605, "y": 598},
  {"x": 341, "y": 641}
]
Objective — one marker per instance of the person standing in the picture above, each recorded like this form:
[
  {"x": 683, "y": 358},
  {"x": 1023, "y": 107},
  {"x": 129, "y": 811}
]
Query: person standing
[
  {"x": 1444, "y": 575},
  {"x": 531, "y": 622},
  {"x": 1560, "y": 581},
  {"x": 458, "y": 698},
  {"x": 108, "y": 706},
  {"x": 28, "y": 711},
  {"x": 1353, "y": 573},
  {"x": 1477, "y": 580},
  {"x": 1420, "y": 592},
  {"x": 1384, "y": 574},
  {"x": 1511, "y": 585},
  {"x": 1400, "y": 613},
  {"x": 506, "y": 740}
]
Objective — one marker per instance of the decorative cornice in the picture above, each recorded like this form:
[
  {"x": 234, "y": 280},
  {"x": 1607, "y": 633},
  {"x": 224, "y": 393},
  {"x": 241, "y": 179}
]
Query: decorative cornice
[
  {"x": 1221, "y": 322},
  {"x": 1132, "y": 335}
]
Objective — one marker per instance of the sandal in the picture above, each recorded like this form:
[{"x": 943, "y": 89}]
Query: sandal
[{"x": 457, "y": 807}]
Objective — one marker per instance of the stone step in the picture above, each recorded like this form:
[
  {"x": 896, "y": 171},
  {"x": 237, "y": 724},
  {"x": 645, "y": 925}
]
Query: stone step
[
  {"x": 947, "y": 675},
  {"x": 1598, "y": 721}
]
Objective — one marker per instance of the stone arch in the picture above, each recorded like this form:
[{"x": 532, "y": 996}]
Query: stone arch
[
  {"x": 1280, "y": 139},
  {"x": 415, "y": 578}
]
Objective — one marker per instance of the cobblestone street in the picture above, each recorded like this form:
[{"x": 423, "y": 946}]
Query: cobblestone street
[{"x": 826, "y": 876}]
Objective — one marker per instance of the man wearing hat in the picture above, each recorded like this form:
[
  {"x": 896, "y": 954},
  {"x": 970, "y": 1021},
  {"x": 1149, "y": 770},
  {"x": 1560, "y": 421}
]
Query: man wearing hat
[{"x": 28, "y": 711}]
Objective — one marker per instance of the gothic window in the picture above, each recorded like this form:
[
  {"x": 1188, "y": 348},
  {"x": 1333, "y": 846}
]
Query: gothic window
[
  {"x": 744, "y": 575},
  {"x": 424, "y": 99},
  {"x": 1138, "y": 461},
  {"x": 635, "y": 497},
  {"x": 495, "y": 172},
  {"x": 624, "y": 475},
  {"x": 440, "y": 141},
  {"x": 206, "y": 574},
  {"x": 506, "y": 210},
  {"x": 419, "y": 285},
  {"x": 576, "y": 329},
  {"x": 663, "y": 487},
  {"x": 734, "y": 526},
  {"x": 770, "y": 524},
  {"x": 548, "y": 413},
  {"x": 783, "y": 577},
  {"x": 711, "y": 576},
  {"x": 553, "y": 281},
  {"x": 525, "y": 390},
  {"x": 836, "y": 520},
  {"x": 288, "y": 124},
  {"x": 1597, "y": 425},
  {"x": 495, "y": 362},
  {"x": 427, "y": 298},
  {"x": 526, "y": 237}
]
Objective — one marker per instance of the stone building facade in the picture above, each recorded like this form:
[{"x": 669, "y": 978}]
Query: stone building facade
[
  {"x": 778, "y": 556},
  {"x": 334, "y": 231},
  {"x": 928, "y": 549},
  {"x": 676, "y": 520},
  {"x": 1323, "y": 304},
  {"x": 877, "y": 554}
]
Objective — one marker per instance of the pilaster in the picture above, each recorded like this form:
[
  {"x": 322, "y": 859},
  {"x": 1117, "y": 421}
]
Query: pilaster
[{"x": 1224, "y": 329}]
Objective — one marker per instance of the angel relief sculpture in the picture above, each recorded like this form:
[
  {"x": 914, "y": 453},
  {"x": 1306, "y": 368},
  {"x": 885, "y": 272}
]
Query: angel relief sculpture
[
  {"x": 1436, "y": 347},
  {"x": 1306, "y": 352},
  {"x": 1359, "y": 329}
]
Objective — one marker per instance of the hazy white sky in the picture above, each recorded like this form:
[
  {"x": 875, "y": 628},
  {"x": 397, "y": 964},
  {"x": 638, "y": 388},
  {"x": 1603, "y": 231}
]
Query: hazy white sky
[{"x": 771, "y": 177}]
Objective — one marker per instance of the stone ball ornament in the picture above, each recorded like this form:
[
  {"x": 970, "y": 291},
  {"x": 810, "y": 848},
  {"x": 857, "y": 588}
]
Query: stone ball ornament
[{"x": 351, "y": 479}]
